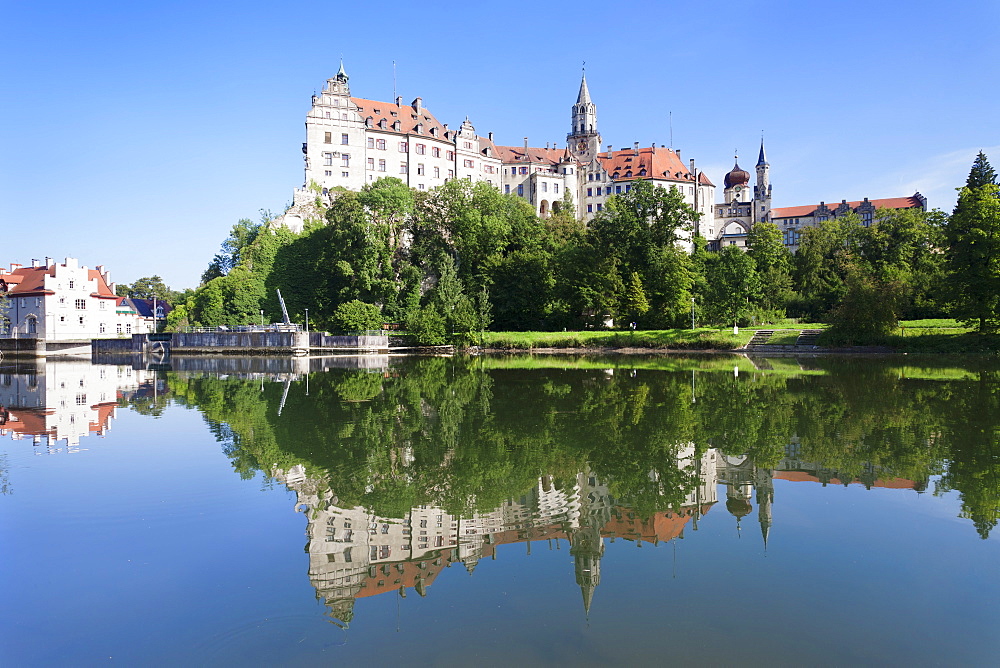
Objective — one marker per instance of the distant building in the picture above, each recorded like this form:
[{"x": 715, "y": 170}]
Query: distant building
[
  {"x": 61, "y": 302},
  {"x": 793, "y": 219}
]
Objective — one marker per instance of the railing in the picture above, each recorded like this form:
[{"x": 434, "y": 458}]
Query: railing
[{"x": 274, "y": 327}]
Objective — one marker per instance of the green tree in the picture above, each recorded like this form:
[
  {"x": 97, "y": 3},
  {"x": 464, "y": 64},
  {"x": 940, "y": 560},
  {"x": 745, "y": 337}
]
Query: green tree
[
  {"x": 973, "y": 256},
  {"x": 733, "y": 286},
  {"x": 354, "y": 316},
  {"x": 773, "y": 262},
  {"x": 147, "y": 287}
]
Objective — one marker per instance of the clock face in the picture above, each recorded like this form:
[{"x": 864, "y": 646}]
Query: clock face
[
  {"x": 581, "y": 147},
  {"x": 739, "y": 189}
]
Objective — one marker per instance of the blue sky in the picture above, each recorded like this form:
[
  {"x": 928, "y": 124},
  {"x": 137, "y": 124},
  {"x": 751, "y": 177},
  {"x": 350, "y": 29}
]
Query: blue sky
[{"x": 135, "y": 134}]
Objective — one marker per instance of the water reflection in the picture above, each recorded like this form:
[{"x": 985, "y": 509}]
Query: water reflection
[
  {"x": 57, "y": 403},
  {"x": 426, "y": 464}
]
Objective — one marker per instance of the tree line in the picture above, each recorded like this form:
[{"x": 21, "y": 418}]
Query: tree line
[{"x": 463, "y": 257}]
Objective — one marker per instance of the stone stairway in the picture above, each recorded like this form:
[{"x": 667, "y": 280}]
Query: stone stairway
[
  {"x": 807, "y": 337},
  {"x": 760, "y": 337}
]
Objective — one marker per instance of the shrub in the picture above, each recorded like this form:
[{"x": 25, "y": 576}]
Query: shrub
[{"x": 355, "y": 316}]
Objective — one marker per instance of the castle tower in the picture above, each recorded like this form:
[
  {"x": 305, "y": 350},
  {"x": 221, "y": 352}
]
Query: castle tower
[
  {"x": 337, "y": 85},
  {"x": 762, "y": 191},
  {"x": 736, "y": 184},
  {"x": 584, "y": 139}
]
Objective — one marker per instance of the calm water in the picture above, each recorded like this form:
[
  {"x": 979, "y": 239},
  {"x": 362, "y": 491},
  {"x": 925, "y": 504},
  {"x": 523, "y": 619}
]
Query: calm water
[{"x": 501, "y": 511}]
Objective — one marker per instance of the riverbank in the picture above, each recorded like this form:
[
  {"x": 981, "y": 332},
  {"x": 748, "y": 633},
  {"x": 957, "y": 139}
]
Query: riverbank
[{"x": 910, "y": 339}]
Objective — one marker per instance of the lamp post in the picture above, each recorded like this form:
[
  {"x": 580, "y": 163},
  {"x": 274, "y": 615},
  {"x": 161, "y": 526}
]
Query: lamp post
[
  {"x": 262, "y": 318},
  {"x": 307, "y": 320},
  {"x": 692, "y": 313}
]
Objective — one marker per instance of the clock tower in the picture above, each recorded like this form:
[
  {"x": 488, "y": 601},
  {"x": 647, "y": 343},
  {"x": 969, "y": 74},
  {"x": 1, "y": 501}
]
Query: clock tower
[{"x": 584, "y": 141}]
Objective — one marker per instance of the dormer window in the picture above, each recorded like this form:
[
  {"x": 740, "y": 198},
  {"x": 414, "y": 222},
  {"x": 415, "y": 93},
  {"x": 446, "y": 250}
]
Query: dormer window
[
  {"x": 615, "y": 175},
  {"x": 434, "y": 132},
  {"x": 628, "y": 174},
  {"x": 395, "y": 125},
  {"x": 419, "y": 129},
  {"x": 394, "y": 114},
  {"x": 642, "y": 172},
  {"x": 368, "y": 122},
  {"x": 381, "y": 123}
]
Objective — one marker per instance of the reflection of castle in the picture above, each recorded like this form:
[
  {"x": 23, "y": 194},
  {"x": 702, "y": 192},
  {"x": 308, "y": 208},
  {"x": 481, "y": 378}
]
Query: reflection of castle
[
  {"x": 354, "y": 554},
  {"x": 63, "y": 400}
]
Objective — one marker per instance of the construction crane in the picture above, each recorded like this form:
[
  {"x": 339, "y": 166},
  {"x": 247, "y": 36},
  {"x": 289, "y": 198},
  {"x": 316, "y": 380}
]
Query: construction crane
[{"x": 284, "y": 310}]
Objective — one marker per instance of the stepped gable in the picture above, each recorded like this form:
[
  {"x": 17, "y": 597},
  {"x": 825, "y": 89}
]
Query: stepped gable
[{"x": 912, "y": 202}]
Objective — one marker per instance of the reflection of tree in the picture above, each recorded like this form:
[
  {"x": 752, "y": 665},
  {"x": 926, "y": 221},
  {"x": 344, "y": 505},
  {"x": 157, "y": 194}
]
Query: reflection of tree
[
  {"x": 973, "y": 435},
  {"x": 456, "y": 435}
]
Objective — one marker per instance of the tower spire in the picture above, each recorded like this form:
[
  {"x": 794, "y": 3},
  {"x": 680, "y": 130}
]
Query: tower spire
[
  {"x": 341, "y": 73},
  {"x": 584, "y": 96},
  {"x": 761, "y": 159}
]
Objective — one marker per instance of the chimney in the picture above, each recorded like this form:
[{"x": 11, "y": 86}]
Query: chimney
[
  {"x": 691, "y": 168},
  {"x": 609, "y": 150},
  {"x": 546, "y": 146},
  {"x": 49, "y": 262},
  {"x": 637, "y": 148},
  {"x": 35, "y": 263},
  {"x": 418, "y": 104},
  {"x": 678, "y": 152},
  {"x": 14, "y": 266},
  {"x": 399, "y": 100},
  {"x": 490, "y": 135},
  {"x": 526, "y": 147}
]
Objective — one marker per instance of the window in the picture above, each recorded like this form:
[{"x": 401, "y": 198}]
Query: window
[
  {"x": 451, "y": 173},
  {"x": 468, "y": 144},
  {"x": 328, "y": 173},
  {"x": 590, "y": 208},
  {"x": 81, "y": 304},
  {"x": 420, "y": 169},
  {"x": 435, "y": 151},
  {"x": 80, "y": 320},
  {"x": 451, "y": 155},
  {"x": 119, "y": 328},
  {"x": 618, "y": 190},
  {"x": 524, "y": 170},
  {"x": 327, "y": 159},
  {"x": 128, "y": 328},
  {"x": 71, "y": 284},
  {"x": 402, "y": 168},
  {"x": 520, "y": 190},
  {"x": 506, "y": 189},
  {"x": 371, "y": 164},
  {"x": 81, "y": 400},
  {"x": 327, "y": 137},
  {"x": 381, "y": 165},
  {"x": 590, "y": 192},
  {"x": 344, "y": 139},
  {"x": 371, "y": 142},
  {"x": 468, "y": 163},
  {"x": 402, "y": 147},
  {"x": 437, "y": 172},
  {"x": 380, "y": 144},
  {"x": 421, "y": 149},
  {"x": 345, "y": 174},
  {"x": 101, "y": 328},
  {"x": 545, "y": 187},
  {"x": 590, "y": 177},
  {"x": 599, "y": 206},
  {"x": 345, "y": 160},
  {"x": 555, "y": 188}
]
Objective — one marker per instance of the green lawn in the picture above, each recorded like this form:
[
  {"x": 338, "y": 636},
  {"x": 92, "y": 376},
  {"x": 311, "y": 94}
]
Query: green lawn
[{"x": 669, "y": 339}]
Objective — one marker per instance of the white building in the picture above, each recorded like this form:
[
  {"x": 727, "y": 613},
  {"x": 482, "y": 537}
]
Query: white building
[
  {"x": 58, "y": 302},
  {"x": 352, "y": 141}
]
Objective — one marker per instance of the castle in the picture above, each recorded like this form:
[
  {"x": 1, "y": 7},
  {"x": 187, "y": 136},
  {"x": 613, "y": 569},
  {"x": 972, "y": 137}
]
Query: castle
[{"x": 353, "y": 141}]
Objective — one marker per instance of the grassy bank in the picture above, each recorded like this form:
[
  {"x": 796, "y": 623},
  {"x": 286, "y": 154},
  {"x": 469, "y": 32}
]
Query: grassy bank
[
  {"x": 940, "y": 336},
  {"x": 668, "y": 339}
]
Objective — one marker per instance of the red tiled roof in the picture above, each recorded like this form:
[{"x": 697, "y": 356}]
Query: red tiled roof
[
  {"x": 404, "y": 114},
  {"x": 651, "y": 163},
  {"x": 911, "y": 202},
  {"x": 516, "y": 155},
  {"x": 27, "y": 281}
]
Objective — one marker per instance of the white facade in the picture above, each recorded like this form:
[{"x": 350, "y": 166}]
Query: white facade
[
  {"x": 62, "y": 302},
  {"x": 353, "y": 141}
]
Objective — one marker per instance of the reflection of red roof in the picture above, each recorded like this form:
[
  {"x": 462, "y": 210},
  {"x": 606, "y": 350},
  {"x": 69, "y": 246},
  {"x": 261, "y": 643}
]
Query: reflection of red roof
[
  {"x": 31, "y": 421},
  {"x": 803, "y": 476},
  {"x": 390, "y": 576},
  {"x": 912, "y": 202}
]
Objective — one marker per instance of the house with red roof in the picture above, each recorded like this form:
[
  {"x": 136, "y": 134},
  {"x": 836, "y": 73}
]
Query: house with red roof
[{"x": 60, "y": 302}]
